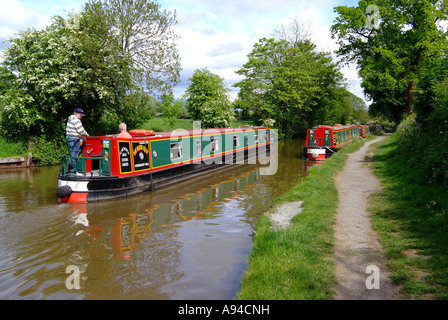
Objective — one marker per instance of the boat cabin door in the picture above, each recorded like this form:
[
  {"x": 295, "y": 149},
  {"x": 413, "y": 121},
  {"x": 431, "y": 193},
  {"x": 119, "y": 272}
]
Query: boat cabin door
[
  {"x": 106, "y": 145},
  {"x": 327, "y": 138},
  {"x": 311, "y": 138}
]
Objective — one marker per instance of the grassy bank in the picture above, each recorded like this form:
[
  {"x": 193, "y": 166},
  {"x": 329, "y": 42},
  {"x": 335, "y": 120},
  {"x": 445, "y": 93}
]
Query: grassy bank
[
  {"x": 296, "y": 263},
  {"x": 12, "y": 149},
  {"x": 411, "y": 218}
]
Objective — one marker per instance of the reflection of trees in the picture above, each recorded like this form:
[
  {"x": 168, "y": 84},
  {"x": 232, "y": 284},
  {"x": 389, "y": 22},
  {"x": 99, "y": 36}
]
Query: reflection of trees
[
  {"x": 128, "y": 248},
  {"x": 143, "y": 247},
  {"x": 25, "y": 189}
]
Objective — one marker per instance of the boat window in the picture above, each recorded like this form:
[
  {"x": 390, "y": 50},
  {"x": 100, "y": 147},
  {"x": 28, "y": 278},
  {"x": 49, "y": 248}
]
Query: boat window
[
  {"x": 256, "y": 136},
  {"x": 198, "y": 146},
  {"x": 236, "y": 141},
  {"x": 215, "y": 144},
  {"x": 246, "y": 140},
  {"x": 266, "y": 136},
  {"x": 176, "y": 150}
]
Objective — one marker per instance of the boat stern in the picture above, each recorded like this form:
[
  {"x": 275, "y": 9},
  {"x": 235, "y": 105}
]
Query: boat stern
[
  {"x": 316, "y": 153},
  {"x": 72, "y": 190}
]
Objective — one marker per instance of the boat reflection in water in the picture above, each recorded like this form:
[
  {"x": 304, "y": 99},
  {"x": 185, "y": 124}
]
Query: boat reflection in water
[
  {"x": 148, "y": 244},
  {"x": 189, "y": 240},
  {"x": 311, "y": 164}
]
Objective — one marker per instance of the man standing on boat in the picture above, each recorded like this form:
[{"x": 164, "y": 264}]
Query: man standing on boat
[{"x": 74, "y": 131}]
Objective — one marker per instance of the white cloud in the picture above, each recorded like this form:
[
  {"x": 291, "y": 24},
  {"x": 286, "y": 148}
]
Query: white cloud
[
  {"x": 19, "y": 15},
  {"x": 226, "y": 48},
  {"x": 220, "y": 52},
  {"x": 15, "y": 16},
  {"x": 220, "y": 35}
]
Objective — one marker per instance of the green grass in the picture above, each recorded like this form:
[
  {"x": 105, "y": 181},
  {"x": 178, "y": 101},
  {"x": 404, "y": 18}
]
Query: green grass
[
  {"x": 161, "y": 125},
  {"x": 296, "y": 263},
  {"x": 10, "y": 149},
  {"x": 410, "y": 216}
]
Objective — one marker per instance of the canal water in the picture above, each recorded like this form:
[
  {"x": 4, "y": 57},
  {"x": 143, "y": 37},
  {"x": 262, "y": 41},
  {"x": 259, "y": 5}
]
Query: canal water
[{"x": 185, "y": 241}]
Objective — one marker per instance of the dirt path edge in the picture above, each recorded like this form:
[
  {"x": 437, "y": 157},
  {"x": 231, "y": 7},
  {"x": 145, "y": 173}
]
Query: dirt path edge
[{"x": 360, "y": 264}]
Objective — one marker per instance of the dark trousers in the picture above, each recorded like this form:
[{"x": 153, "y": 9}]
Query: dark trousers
[{"x": 73, "y": 144}]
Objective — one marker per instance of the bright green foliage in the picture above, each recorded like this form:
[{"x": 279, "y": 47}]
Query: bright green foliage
[
  {"x": 97, "y": 61},
  {"x": 57, "y": 70},
  {"x": 136, "y": 107},
  {"x": 423, "y": 139},
  {"x": 390, "y": 43},
  {"x": 432, "y": 96},
  {"x": 6, "y": 79},
  {"x": 294, "y": 85},
  {"x": 208, "y": 100},
  {"x": 47, "y": 149},
  {"x": 356, "y": 109},
  {"x": 171, "y": 110}
]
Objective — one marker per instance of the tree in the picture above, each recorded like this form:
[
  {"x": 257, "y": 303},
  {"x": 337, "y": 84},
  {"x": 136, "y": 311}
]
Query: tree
[
  {"x": 95, "y": 60},
  {"x": 143, "y": 32},
  {"x": 295, "y": 32},
  {"x": 421, "y": 139},
  {"x": 208, "y": 100},
  {"x": 390, "y": 42},
  {"x": 292, "y": 84},
  {"x": 243, "y": 110},
  {"x": 136, "y": 108},
  {"x": 6, "y": 78},
  {"x": 357, "y": 108},
  {"x": 171, "y": 109},
  {"x": 56, "y": 70}
]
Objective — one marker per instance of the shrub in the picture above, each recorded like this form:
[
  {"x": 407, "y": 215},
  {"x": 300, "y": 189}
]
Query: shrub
[
  {"x": 48, "y": 150},
  {"x": 407, "y": 132},
  {"x": 422, "y": 145}
]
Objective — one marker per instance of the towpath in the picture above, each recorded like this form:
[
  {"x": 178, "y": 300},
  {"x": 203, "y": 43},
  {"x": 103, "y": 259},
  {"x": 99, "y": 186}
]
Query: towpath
[{"x": 361, "y": 269}]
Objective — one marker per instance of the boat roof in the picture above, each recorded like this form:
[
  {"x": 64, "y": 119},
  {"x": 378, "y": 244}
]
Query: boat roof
[
  {"x": 335, "y": 127},
  {"x": 183, "y": 132}
]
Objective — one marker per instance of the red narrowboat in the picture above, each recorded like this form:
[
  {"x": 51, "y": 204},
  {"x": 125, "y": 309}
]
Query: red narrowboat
[
  {"x": 323, "y": 141},
  {"x": 370, "y": 128}
]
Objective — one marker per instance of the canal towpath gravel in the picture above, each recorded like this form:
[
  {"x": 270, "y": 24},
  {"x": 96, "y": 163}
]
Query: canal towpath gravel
[{"x": 360, "y": 262}]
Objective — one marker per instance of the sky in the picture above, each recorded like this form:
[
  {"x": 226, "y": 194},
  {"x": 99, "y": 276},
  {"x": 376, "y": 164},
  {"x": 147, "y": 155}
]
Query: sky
[{"x": 217, "y": 35}]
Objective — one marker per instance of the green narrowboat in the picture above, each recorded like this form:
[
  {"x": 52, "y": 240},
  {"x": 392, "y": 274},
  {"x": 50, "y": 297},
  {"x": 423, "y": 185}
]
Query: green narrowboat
[{"x": 111, "y": 167}]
